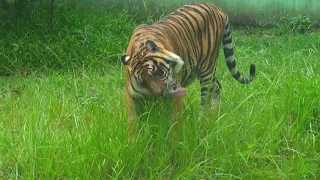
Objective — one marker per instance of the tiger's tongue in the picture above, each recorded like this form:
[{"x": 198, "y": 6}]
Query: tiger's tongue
[{"x": 179, "y": 92}]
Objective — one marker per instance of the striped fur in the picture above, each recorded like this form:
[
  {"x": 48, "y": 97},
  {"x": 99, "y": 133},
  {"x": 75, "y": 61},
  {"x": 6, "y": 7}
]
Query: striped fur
[{"x": 181, "y": 47}]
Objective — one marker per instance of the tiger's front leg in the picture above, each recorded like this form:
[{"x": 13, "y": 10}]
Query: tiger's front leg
[
  {"x": 176, "y": 118},
  {"x": 133, "y": 110}
]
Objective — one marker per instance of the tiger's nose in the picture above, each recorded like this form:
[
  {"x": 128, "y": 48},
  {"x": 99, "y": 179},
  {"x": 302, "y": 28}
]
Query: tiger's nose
[{"x": 174, "y": 87}]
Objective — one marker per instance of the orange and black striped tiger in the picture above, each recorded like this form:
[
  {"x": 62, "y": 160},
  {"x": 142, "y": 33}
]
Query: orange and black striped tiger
[{"x": 168, "y": 55}]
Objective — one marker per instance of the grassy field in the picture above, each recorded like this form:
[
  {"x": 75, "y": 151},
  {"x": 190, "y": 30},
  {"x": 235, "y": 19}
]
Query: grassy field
[{"x": 62, "y": 109}]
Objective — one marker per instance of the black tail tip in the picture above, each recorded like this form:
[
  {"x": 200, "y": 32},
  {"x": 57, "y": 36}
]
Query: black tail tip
[{"x": 253, "y": 70}]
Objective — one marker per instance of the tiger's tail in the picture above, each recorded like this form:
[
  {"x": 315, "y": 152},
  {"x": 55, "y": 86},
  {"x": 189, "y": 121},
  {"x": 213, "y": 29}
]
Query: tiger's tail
[{"x": 231, "y": 61}]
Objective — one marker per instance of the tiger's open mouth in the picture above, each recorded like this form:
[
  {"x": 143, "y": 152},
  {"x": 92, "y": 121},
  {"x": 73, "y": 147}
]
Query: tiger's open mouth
[{"x": 173, "y": 91}]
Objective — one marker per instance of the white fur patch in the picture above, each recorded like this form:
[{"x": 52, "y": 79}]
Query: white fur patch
[
  {"x": 228, "y": 46},
  {"x": 230, "y": 58},
  {"x": 126, "y": 59},
  {"x": 175, "y": 58}
]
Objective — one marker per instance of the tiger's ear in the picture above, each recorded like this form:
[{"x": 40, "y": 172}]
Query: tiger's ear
[
  {"x": 126, "y": 60},
  {"x": 151, "y": 46}
]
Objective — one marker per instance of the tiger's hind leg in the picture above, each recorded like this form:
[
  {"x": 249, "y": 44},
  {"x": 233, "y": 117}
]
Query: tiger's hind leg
[{"x": 211, "y": 91}]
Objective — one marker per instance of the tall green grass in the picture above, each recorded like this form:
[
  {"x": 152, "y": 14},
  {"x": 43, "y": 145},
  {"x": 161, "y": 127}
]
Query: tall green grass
[
  {"x": 66, "y": 119},
  {"x": 75, "y": 38}
]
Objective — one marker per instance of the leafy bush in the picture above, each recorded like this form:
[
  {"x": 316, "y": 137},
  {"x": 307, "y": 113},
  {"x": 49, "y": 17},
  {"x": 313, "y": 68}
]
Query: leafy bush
[{"x": 298, "y": 24}]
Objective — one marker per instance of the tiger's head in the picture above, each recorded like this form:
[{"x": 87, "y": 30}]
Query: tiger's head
[{"x": 152, "y": 71}]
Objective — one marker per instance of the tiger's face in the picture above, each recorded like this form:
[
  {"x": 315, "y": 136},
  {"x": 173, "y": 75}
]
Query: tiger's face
[{"x": 152, "y": 72}]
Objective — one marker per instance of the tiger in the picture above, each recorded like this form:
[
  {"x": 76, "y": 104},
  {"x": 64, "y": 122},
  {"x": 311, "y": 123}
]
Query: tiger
[{"x": 162, "y": 59}]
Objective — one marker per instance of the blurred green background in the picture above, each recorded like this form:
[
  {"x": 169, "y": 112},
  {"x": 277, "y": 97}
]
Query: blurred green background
[
  {"x": 246, "y": 11},
  {"x": 240, "y": 11}
]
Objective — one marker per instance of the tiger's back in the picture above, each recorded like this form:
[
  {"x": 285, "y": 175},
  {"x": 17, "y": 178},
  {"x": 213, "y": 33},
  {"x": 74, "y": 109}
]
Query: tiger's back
[{"x": 196, "y": 32}]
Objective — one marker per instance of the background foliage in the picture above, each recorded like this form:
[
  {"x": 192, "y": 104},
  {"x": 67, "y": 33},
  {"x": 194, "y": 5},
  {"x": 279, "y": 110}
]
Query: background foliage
[{"x": 88, "y": 32}]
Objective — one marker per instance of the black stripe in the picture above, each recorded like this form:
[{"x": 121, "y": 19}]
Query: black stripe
[
  {"x": 174, "y": 29},
  {"x": 204, "y": 81},
  {"x": 215, "y": 89},
  {"x": 206, "y": 21},
  {"x": 134, "y": 89},
  {"x": 231, "y": 64},
  {"x": 252, "y": 70},
  {"x": 181, "y": 26},
  {"x": 189, "y": 20},
  {"x": 217, "y": 20},
  {"x": 136, "y": 78},
  {"x": 227, "y": 41},
  {"x": 218, "y": 82},
  {"x": 204, "y": 89},
  {"x": 191, "y": 35},
  {"x": 152, "y": 58},
  {"x": 187, "y": 32},
  {"x": 226, "y": 35},
  {"x": 158, "y": 28},
  {"x": 203, "y": 19},
  {"x": 209, "y": 71},
  {"x": 198, "y": 32},
  {"x": 228, "y": 52},
  {"x": 237, "y": 75}
]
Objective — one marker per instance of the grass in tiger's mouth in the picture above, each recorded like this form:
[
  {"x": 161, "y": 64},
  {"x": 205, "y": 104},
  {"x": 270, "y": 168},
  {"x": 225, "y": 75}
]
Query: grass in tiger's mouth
[{"x": 65, "y": 117}]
